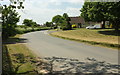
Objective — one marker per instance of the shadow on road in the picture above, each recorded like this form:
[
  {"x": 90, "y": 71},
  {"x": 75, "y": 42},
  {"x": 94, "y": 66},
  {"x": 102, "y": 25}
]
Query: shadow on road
[
  {"x": 15, "y": 40},
  {"x": 56, "y": 65},
  {"x": 61, "y": 66},
  {"x": 66, "y": 66}
]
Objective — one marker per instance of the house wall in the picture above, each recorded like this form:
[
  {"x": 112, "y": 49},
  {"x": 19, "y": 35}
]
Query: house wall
[{"x": 79, "y": 21}]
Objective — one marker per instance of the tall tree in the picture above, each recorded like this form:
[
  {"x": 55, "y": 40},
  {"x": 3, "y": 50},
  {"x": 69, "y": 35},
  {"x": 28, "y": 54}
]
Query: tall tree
[
  {"x": 10, "y": 17},
  {"x": 49, "y": 24},
  {"x": 64, "y": 25},
  {"x": 9, "y": 21},
  {"x": 0, "y": 19},
  {"x": 101, "y": 11},
  {"x": 94, "y": 11},
  {"x": 113, "y": 9},
  {"x": 66, "y": 17},
  {"x": 33, "y": 25},
  {"x": 58, "y": 19},
  {"x": 62, "y": 21},
  {"x": 29, "y": 23}
]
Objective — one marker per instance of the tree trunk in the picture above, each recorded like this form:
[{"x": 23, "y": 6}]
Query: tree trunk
[
  {"x": 103, "y": 25},
  {"x": 32, "y": 28},
  {"x": 69, "y": 25},
  {"x": 116, "y": 25},
  {"x": 79, "y": 25},
  {"x": 116, "y": 29}
]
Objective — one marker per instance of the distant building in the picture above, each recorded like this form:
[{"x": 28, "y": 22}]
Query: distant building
[{"x": 79, "y": 21}]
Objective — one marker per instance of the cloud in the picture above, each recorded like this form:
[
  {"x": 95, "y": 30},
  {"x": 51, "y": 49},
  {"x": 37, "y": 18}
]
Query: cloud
[
  {"x": 4, "y": 2},
  {"x": 73, "y": 11},
  {"x": 73, "y": 1},
  {"x": 43, "y": 10}
]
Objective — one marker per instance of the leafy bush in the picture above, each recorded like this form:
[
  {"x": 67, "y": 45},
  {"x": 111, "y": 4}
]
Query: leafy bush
[
  {"x": 64, "y": 28},
  {"x": 55, "y": 27},
  {"x": 21, "y": 30}
]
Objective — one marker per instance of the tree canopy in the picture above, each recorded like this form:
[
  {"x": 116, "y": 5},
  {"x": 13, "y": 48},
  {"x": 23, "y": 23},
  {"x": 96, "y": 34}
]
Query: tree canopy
[
  {"x": 67, "y": 19},
  {"x": 49, "y": 24},
  {"x": 9, "y": 21},
  {"x": 57, "y": 19},
  {"x": 10, "y": 17},
  {"x": 102, "y": 11},
  {"x": 62, "y": 21},
  {"x": 29, "y": 23}
]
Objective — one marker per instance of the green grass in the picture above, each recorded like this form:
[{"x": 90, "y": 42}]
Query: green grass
[
  {"x": 14, "y": 48},
  {"x": 17, "y": 56},
  {"x": 102, "y": 37},
  {"x": 21, "y": 30},
  {"x": 14, "y": 51}
]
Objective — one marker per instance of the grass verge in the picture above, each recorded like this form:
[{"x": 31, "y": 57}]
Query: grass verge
[
  {"x": 100, "y": 37},
  {"x": 16, "y": 57}
]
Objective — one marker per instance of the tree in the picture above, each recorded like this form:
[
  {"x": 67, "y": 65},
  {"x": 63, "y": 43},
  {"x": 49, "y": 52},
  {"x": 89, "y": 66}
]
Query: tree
[
  {"x": 94, "y": 11},
  {"x": 102, "y": 11},
  {"x": 49, "y": 24},
  {"x": 9, "y": 21},
  {"x": 64, "y": 25},
  {"x": 1, "y": 9},
  {"x": 114, "y": 14},
  {"x": 29, "y": 23},
  {"x": 0, "y": 19},
  {"x": 16, "y": 3},
  {"x": 33, "y": 25},
  {"x": 62, "y": 21},
  {"x": 57, "y": 19},
  {"x": 66, "y": 17},
  {"x": 10, "y": 17}
]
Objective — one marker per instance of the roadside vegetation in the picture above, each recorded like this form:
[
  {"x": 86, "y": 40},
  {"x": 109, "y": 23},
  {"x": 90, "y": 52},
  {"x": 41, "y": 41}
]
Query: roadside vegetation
[
  {"x": 103, "y": 37},
  {"x": 60, "y": 22},
  {"x": 95, "y": 12},
  {"x": 16, "y": 57},
  {"x": 21, "y": 29},
  {"x": 101, "y": 12}
]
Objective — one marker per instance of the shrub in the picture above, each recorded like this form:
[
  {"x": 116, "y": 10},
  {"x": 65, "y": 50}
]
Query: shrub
[
  {"x": 55, "y": 27},
  {"x": 64, "y": 28}
]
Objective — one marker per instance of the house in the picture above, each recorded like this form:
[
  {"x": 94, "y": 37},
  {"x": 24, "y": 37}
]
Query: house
[{"x": 79, "y": 21}]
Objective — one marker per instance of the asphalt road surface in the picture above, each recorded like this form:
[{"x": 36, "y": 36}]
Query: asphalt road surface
[{"x": 44, "y": 45}]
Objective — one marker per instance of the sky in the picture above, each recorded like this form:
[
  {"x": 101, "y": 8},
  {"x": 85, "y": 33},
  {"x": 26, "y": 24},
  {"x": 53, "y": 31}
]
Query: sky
[{"x": 42, "y": 11}]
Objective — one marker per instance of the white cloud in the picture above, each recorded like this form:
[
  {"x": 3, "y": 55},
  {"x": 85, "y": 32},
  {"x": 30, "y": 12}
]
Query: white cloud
[
  {"x": 66, "y": 0},
  {"x": 4, "y": 2},
  {"x": 73, "y": 11},
  {"x": 41, "y": 12}
]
